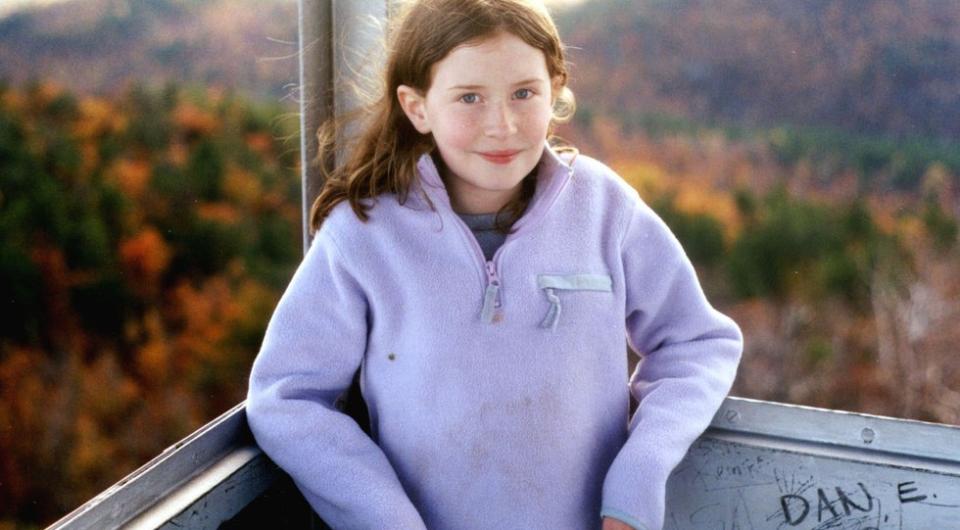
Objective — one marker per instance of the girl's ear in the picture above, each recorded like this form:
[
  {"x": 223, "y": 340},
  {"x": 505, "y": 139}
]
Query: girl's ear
[
  {"x": 414, "y": 105},
  {"x": 556, "y": 85}
]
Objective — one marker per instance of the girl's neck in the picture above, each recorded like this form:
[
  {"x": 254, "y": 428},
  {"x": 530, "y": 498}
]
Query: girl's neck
[{"x": 472, "y": 200}]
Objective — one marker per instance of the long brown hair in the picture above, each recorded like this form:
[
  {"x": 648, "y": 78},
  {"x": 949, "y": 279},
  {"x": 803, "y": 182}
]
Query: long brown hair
[{"x": 382, "y": 157}]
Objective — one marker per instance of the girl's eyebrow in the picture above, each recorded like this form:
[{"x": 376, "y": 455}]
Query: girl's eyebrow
[
  {"x": 530, "y": 81},
  {"x": 465, "y": 87}
]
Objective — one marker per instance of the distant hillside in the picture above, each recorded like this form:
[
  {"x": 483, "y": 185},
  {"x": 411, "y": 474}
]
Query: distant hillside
[
  {"x": 98, "y": 46},
  {"x": 883, "y": 66},
  {"x": 144, "y": 241},
  {"x": 887, "y": 67}
]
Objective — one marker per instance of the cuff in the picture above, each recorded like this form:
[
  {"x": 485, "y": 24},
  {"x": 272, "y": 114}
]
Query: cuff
[{"x": 623, "y": 516}]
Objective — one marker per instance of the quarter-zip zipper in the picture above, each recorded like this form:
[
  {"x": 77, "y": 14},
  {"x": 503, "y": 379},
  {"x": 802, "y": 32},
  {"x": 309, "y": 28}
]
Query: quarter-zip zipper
[
  {"x": 492, "y": 310},
  {"x": 492, "y": 279}
]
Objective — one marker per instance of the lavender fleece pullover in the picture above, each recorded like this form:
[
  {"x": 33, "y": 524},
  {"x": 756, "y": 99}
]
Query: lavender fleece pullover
[{"x": 497, "y": 391}]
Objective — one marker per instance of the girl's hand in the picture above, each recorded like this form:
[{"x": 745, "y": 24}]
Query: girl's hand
[{"x": 610, "y": 523}]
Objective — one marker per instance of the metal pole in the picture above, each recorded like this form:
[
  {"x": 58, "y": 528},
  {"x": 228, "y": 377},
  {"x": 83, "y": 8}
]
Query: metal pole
[
  {"x": 340, "y": 50},
  {"x": 316, "y": 95}
]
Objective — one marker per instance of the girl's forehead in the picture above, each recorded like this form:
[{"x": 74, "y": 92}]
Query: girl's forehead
[{"x": 501, "y": 58}]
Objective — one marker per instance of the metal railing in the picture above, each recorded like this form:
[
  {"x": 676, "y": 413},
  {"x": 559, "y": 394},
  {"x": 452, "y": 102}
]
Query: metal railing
[{"x": 760, "y": 465}]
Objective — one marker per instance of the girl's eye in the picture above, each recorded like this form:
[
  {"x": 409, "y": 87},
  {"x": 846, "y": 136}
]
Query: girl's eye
[
  {"x": 469, "y": 98},
  {"x": 523, "y": 93}
]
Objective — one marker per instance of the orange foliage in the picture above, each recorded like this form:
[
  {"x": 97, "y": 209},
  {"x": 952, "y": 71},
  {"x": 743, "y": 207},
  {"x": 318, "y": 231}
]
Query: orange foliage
[
  {"x": 89, "y": 158},
  {"x": 91, "y": 452},
  {"x": 47, "y": 91},
  {"x": 256, "y": 302},
  {"x": 21, "y": 392},
  {"x": 260, "y": 143},
  {"x": 219, "y": 212},
  {"x": 12, "y": 100},
  {"x": 106, "y": 392},
  {"x": 145, "y": 257},
  {"x": 58, "y": 279},
  {"x": 98, "y": 117},
  {"x": 194, "y": 120},
  {"x": 606, "y": 132},
  {"x": 693, "y": 198},
  {"x": 154, "y": 355},
  {"x": 691, "y": 195},
  {"x": 178, "y": 153},
  {"x": 648, "y": 178},
  {"x": 206, "y": 315},
  {"x": 241, "y": 186},
  {"x": 132, "y": 176},
  {"x": 153, "y": 361},
  {"x": 273, "y": 201}
]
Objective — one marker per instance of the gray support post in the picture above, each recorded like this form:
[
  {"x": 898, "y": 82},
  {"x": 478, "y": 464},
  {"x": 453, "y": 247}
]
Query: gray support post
[
  {"x": 316, "y": 95},
  {"x": 340, "y": 51}
]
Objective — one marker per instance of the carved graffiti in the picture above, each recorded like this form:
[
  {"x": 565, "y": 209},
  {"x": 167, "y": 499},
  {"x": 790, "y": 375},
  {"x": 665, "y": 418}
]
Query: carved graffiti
[
  {"x": 727, "y": 486},
  {"x": 796, "y": 508}
]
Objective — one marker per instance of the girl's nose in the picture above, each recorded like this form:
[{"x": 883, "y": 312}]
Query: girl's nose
[{"x": 501, "y": 121}]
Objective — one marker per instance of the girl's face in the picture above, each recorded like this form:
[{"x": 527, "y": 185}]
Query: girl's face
[{"x": 488, "y": 107}]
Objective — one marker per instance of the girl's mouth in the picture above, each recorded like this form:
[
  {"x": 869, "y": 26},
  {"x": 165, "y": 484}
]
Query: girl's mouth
[{"x": 499, "y": 157}]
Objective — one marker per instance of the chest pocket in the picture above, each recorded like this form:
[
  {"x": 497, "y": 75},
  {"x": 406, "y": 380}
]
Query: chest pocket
[{"x": 552, "y": 283}]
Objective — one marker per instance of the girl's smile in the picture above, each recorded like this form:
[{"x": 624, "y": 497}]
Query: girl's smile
[
  {"x": 500, "y": 157},
  {"x": 488, "y": 108}
]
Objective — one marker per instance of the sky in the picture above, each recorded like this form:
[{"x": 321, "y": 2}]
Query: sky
[{"x": 7, "y": 6}]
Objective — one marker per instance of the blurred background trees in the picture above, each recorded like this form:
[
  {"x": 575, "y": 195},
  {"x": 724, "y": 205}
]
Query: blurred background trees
[{"x": 143, "y": 244}]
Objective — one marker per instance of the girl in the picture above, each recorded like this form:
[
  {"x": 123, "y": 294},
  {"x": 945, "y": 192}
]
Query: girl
[{"x": 481, "y": 282}]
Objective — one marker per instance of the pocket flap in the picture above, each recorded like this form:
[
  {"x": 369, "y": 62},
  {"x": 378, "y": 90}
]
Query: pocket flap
[{"x": 575, "y": 282}]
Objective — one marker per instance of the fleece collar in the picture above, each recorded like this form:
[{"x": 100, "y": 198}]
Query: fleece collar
[{"x": 553, "y": 173}]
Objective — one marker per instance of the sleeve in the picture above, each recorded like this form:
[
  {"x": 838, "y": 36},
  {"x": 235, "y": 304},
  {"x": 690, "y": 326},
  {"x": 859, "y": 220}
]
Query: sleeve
[
  {"x": 313, "y": 345},
  {"x": 690, "y": 354}
]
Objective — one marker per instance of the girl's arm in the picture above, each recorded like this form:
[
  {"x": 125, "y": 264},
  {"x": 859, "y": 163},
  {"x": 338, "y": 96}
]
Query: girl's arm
[
  {"x": 313, "y": 346},
  {"x": 690, "y": 355}
]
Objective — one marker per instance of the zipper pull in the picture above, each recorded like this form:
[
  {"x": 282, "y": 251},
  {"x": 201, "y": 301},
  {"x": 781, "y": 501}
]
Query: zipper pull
[
  {"x": 553, "y": 315},
  {"x": 491, "y": 297}
]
